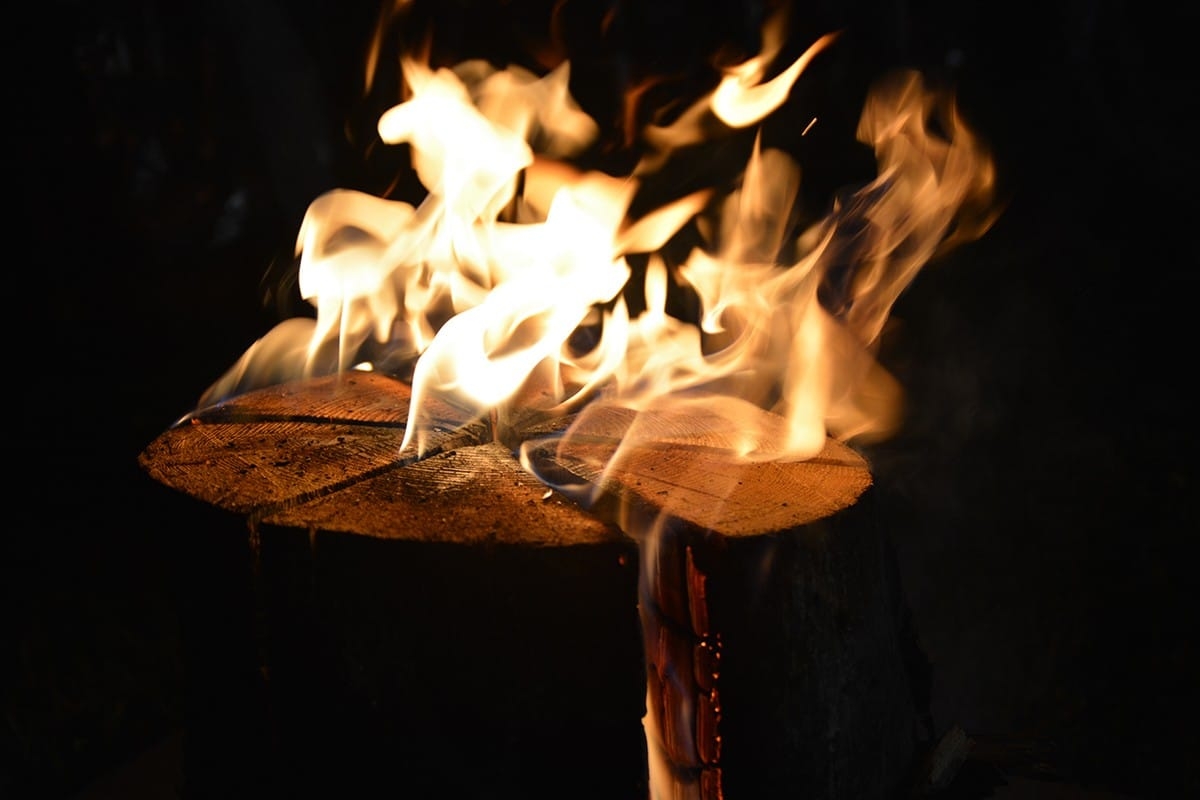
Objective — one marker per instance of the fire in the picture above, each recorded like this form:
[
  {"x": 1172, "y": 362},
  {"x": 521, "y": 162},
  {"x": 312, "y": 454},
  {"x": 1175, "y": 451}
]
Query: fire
[
  {"x": 520, "y": 280},
  {"x": 509, "y": 284},
  {"x": 510, "y": 277}
]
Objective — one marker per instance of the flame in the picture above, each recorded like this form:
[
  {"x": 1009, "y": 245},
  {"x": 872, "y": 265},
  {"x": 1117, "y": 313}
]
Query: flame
[
  {"x": 512, "y": 276},
  {"x": 522, "y": 280}
]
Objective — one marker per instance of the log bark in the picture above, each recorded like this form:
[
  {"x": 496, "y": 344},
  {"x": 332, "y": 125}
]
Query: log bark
[
  {"x": 804, "y": 673},
  {"x": 764, "y": 637}
]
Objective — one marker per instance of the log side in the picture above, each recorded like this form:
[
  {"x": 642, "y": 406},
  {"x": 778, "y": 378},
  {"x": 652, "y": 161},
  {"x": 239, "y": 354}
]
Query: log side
[
  {"x": 431, "y": 650},
  {"x": 781, "y": 665},
  {"x": 436, "y": 669}
]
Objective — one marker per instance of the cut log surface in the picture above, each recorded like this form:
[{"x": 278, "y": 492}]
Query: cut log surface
[
  {"x": 686, "y": 465},
  {"x": 325, "y": 454},
  {"x": 773, "y": 638}
]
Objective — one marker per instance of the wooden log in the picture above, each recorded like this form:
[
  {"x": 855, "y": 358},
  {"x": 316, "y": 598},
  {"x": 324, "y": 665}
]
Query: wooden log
[
  {"x": 432, "y": 651},
  {"x": 764, "y": 637},
  {"x": 781, "y": 660},
  {"x": 805, "y": 676},
  {"x": 326, "y": 454}
]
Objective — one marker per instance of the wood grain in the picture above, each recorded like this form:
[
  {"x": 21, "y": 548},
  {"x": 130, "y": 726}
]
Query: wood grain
[
  {"x": 326, "y": 453},
  {"x": 775, "y": 644}
]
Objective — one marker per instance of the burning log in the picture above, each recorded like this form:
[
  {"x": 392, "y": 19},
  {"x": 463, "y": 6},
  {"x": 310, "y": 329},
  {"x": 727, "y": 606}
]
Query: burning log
[
  {"x": 774, "y": 656},
  {"x": 682, "y": 425}
]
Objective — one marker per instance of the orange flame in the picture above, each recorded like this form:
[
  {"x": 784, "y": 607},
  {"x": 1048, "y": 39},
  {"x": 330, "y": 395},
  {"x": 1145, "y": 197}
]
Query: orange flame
[
  {"x": 510, "y": 281},
  {"x": 487, "y": 286}
]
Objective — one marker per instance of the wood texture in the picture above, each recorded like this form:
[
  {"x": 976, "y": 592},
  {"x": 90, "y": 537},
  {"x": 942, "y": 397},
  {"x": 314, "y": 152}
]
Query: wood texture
[
  {"x": 765, "y": 620},
  {"x": 325, "y": 454},
  {"x": 686, "y": 466}
]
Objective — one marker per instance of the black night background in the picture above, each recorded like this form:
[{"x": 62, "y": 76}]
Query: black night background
[{"x": 160, "y": 157}]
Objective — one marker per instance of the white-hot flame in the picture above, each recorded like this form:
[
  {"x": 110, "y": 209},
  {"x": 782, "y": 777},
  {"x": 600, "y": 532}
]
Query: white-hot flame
[{"x": 511, "y": 273}]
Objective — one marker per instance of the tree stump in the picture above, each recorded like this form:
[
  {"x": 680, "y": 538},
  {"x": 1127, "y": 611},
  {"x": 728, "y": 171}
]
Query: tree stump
[{"x": 448, "y": 623}]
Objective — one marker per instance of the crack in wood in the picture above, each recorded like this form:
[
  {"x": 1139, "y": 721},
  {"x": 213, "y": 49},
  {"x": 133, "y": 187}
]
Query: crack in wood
[
  {"x": 271, "y": 509},
  {"x": 240, "y": 417}
]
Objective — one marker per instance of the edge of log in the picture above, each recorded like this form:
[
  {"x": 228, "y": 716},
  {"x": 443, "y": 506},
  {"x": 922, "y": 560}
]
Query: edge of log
[{"x": 781, "y": 572}]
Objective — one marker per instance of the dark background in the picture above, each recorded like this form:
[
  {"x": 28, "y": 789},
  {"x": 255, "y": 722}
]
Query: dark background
[{"x": 161, "y": 156}]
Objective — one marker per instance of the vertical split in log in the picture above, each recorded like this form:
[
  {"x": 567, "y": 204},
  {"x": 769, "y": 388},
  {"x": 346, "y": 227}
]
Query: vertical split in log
[{"x": 683, "y": 665}]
